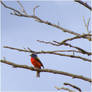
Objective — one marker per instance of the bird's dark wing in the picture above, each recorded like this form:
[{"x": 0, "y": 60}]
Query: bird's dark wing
[{"x": 39, "y": 61}]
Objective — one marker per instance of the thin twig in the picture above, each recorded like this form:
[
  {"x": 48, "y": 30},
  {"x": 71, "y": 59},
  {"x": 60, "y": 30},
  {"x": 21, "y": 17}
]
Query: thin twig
[
  {"x": 66, "y": 51},
  {"x": 46, "y": 70},
  {"x": 73, "y": 86},
  {"x": 78, "y": 48},
  {"x": 22, "y": 7},
  {"x": 34, "y": 9},
  {"x": 87, "y": 25},
  {"x": 84, "y": 4},
  {"x": 66, "y": 44},
  {"x": 78, "y": 37},
  {"x": 48, "y": 52},
  {"x": 46, "y": 42},
  {"x": 17, "y": 11},
  {"x": 64, "y": 88}
]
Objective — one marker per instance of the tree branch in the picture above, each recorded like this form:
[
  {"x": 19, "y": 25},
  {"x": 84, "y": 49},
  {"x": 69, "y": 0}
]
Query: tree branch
[
  {"x": 66, "y": 44},
  {"x": 78, "y": 48},
  {"x": 73, "y": 86},
  {"x": 63, "y": 88},
  {"x": 15, "y": 10},
  {"x": 84, "y": 4},
  {"x": 34, "y": 9},
  {"x": 22, "y": 7},
  {"x": 69, "y": 39},
  {"x": 78, "y": 37},
  {"x": 42, "y": 21},
  {"x": 46, "y": 70},
  {"x": 48, "y": 52},
  {"x": 66, "y": 51},
  {"x": 87, "y": 25}
]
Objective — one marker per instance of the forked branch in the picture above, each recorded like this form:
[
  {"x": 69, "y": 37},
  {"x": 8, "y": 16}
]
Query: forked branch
[
  {"x": 55, "y": 43},
  {"x": 18, "y": 13},
  {"x": 48, "y": 52}
]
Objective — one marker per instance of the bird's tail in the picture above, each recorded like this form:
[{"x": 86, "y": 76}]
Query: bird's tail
[{"x": 37, "y": 74}]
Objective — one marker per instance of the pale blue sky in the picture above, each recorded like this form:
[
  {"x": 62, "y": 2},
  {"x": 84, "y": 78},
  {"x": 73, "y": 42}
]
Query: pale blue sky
[{"x": 23, "y": 32}]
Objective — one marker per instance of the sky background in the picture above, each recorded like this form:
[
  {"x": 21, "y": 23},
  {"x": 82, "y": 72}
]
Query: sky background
[{"x": 22, "y": 33}]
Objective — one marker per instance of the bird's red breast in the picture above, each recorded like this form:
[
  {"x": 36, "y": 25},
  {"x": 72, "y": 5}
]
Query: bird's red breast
[{"x": 36, "y": 63}]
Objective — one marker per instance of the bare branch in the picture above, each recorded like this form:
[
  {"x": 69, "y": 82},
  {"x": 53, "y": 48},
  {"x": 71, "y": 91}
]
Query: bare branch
[
  {"x": 18, "y": 13},
  {"x": 73, "y": 86},
  {"x": 63, "y": 88},
  {"x": 46, "y": 70},
  {"x": 22, "y": 7},
  {"x": 66, "y": 51},
  {"x": 84, "y": 4},
  {"x": 78, "y": 37},
  {"x": 42, "y": 21},
  {"x": 34, "y": 9},
  {"x": 66, "y": 44},
  {"x": 48, "y": 52},
  {"x": 15, "y": 10},
  {"x": 73, "y": 38},
  {"x": 51, "y": 43},
  {"x": 78, "y": 48},
  {"x": 87, "y": 25},
  {"x": 49, "y": 23}
]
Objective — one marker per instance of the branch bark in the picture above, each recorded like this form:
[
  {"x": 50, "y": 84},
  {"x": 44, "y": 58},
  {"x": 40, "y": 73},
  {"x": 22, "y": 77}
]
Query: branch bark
[
  {"x": 47, "y": 70},
  {"x": 48, "y": 52}
]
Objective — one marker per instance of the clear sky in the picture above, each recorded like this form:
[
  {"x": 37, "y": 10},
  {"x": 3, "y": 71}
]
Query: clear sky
[{"x": 22, "y": 32}]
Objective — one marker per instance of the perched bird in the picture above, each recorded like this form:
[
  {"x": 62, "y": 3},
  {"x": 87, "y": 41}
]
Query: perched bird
[{"x": 36, "y": 63}]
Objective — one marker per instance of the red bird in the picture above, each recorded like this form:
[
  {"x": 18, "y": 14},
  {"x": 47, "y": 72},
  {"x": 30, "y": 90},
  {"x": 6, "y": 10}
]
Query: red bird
[{"x": 36, "y": 63}]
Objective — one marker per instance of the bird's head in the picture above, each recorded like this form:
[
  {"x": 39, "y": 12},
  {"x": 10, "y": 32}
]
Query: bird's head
[{"x": 33, "y": 55}]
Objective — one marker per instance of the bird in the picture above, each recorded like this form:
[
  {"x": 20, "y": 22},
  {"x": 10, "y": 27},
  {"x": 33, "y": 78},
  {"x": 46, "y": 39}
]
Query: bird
[{"x": 36, "y": 63}]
